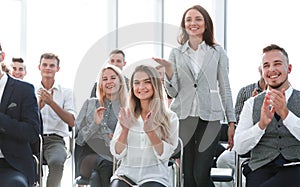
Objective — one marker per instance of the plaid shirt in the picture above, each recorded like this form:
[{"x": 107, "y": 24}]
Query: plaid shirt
[{"x": 244, "y": 94}]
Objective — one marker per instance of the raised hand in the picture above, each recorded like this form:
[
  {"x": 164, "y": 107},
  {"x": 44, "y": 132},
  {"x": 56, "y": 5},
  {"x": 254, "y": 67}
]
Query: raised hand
[
  {"x": 166, "y": 64},
  {"x": 267, "y": 111},
  {"x": 98, "y": 115},
  {"x": 125, "y": 118},
  {"x": 44, "y": 97},
  {"x": 149, "y": 124},
  {"x": 162, "y": 62},
  {"x": 278, "y": 101}
]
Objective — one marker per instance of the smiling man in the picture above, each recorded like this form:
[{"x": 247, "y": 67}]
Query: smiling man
[
  {"x": 269, "y": 126},
  {"x": 56, "y": 104},
  {"x": 19, "y": 127},
  {"x": 18, "y": 68}
]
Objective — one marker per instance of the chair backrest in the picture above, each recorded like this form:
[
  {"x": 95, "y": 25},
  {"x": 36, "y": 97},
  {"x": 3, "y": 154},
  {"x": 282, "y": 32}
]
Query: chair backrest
[
  {"x": 239, "y": 167},
  {"x": 37, "y": 151},
  {"x": 175, "y": 165},
  {"x": 38, "y": 160}
]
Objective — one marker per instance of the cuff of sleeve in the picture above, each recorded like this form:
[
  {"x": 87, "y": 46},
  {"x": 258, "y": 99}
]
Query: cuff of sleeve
[
  {"x": 290, "y": 119},
  {"x": 257, "y": 130},
  {"x": 166, "y": 151},
  {"x": 95, "y": 127},
  {"x": 113, "y": 151},
  {"x": 121, "y": 155}
]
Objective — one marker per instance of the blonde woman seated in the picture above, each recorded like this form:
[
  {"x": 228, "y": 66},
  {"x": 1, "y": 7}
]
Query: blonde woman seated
[
  {"x": 146, "y": 135},
  {"x": 95, "y": 125}
]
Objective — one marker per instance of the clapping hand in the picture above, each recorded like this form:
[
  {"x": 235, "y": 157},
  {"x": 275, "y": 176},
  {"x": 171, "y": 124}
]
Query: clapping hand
[
  {"x": 274, "y": 101},
  {"x": 98, "y": 115},
  {"x": 125, "y": 118},
  {"x": 149, "y": 124},
  {"x": 45, "y": 97}
]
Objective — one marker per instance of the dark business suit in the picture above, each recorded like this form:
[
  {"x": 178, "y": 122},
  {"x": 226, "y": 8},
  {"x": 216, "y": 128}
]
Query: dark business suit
[{"x": 19, "y": 126}]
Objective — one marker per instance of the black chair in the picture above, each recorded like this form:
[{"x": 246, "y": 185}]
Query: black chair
[
  {"x": 239, "y": 167},
  {"x": 37, "y": 157},
  {"x": 37, "y": 151},
  {"x": 221, "y": 174},
  {"x": 175, "y": 165}
]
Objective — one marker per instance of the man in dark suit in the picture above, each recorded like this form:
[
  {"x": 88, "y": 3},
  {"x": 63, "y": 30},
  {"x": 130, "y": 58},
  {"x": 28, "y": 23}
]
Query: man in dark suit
[{"x": 19, "y": 126}]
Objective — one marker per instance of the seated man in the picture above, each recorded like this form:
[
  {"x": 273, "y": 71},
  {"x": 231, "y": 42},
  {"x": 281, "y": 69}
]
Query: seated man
[
  {"x": 269, "y": 126},
  {"x": 56, "y": 105},
  {"x": 18, "y": 68},
  {"x": 19, "y": 126},
  {"x": 227, "y": 158}
]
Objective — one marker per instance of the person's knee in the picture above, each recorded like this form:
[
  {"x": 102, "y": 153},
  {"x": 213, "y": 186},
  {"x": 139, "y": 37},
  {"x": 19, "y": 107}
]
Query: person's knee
[
  {"x": 56, "y": 164},
  {"x": 105, "y": 166},
  {"x": 18, "y": 181},
  {"x": 226, "y": 160},
  {"x": 106, "y": 163}
]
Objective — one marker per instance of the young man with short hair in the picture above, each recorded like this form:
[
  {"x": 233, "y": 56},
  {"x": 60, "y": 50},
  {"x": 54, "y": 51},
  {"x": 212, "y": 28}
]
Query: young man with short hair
[
  {"x": 18, "y": 68},
  {"x": 56, "y": 105}
]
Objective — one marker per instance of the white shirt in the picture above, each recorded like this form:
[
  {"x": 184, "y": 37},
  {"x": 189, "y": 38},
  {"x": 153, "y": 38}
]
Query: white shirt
[
  {"x": 139, "y": 161},
  {"x": 197, "y": 57},
  {"x": 3, "y": 82},
  {"x": 52, "y": 123},
  {"x": 248, "y": 135}
]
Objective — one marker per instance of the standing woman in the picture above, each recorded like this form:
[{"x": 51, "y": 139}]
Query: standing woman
[
  {"x": 95, "y": 125},
  {"x": 146, "y": 135},
  {"x": 197, "y": 78}
]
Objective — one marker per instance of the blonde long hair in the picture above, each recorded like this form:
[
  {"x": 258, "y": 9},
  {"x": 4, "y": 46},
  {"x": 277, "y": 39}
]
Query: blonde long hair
[
  {"x": 157, "y": 106},
  {"x": 122, "y": 91}
]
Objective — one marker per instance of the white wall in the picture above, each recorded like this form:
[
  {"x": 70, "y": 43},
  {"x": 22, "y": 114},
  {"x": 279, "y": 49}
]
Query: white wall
[{"x": 83, "y": 32}]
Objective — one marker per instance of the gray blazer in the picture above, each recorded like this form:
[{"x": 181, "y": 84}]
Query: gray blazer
[{"x": 211, "y": 88}]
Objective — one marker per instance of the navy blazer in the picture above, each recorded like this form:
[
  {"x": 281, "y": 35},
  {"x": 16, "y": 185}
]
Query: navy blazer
[{"x": 19, "y": 126}]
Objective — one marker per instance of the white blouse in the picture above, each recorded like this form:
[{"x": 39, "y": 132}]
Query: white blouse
[{"x": 139, "y": 160}]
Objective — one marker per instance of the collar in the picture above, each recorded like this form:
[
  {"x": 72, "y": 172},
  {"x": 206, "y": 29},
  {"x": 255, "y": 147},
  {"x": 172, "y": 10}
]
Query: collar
[
  {"x": 55, "y": 86},
  {"x": 3, "y": 80},
  {"x": 186, "y": 46},
  {"x": 288, "y": 93}
]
